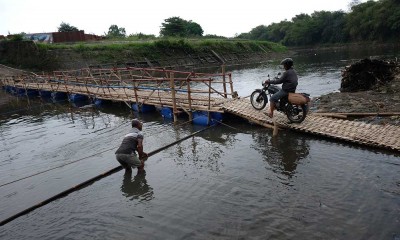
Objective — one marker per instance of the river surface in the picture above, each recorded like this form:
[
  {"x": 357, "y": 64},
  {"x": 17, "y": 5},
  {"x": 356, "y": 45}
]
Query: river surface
[{"x": 233, "y": 181}]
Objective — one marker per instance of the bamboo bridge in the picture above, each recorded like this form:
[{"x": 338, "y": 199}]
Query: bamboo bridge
[{"x": 196, "y": 94}]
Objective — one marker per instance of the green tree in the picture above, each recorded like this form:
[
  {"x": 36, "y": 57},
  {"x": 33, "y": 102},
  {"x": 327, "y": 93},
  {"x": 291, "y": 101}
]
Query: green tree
[
  {"x": 329, "y": 26},
  {"x": 65, "y": 27},
  {"x": 358, "y": 21},
  {"x": 178, "y": 27},
  {"x": 174, "y": 26},
  {"x": 115, "y": 32},
  {"x": 259, "y": 33},
  {"x": 303, "y": 31},
  {"x": 370, "y": 21},
  {"x": 193, "y": 29},
  {"x": 374, "y": 21},
  {"x": 278, "y": 31}
]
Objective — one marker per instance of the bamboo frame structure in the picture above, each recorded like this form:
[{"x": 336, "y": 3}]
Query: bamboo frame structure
[
  {"x": 189, "y": 91},
  {"x": 180, "y": 90}
]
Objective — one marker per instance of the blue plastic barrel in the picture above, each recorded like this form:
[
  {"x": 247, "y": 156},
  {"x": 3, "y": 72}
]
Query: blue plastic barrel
[
  {"x": 101, "y": 102},
  {"x": 74, "y": 97},
  {"x": 19, "y": 92},
  {"x": 98, "y": 102},
  {"x": 143, "y": 108},
  {"x": 9, "y": 89},
  {"x": 44, "y": 94},
  {"x": 148, "y": 108},
  {"x": 58, "y": 95},
  {"x": 216, "y": 117},
  {"x": 200, "y": 118},
  {"x": 167, "y": 112},
  {"x": 32, "y": 92}
]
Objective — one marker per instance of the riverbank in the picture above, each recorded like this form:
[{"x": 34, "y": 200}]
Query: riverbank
[
  {"x": 165, "y": 53},
  {"x": 381, "y": 99}
]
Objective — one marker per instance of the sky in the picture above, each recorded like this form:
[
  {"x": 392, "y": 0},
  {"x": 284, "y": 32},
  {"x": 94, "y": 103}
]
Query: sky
[{"x": 219, "y": 17}]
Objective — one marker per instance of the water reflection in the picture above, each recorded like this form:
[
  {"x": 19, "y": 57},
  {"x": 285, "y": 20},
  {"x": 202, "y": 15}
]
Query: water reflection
[
  {"x": 136, "y": 188},
  {"x": 38, "y": 110},
  {"x": 283, "y": 152},
  {"x": 202, "y": 151}
]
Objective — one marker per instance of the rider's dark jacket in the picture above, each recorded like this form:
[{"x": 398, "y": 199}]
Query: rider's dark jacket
[{"x": 288, "y": 79}]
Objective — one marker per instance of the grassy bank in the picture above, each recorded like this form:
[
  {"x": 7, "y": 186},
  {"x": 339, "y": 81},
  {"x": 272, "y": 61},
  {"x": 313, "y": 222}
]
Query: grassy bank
[{"x": 162, "y": 51}]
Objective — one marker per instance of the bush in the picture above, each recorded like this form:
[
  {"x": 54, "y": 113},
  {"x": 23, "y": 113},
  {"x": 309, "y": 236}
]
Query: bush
[{"x": 17, "y": 37}]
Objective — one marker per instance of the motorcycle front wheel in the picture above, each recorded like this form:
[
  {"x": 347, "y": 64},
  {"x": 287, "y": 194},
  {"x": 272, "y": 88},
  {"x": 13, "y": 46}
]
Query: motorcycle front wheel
[
  {"x": 295, "y": 113},
  {"x": 258, "y": 99}
]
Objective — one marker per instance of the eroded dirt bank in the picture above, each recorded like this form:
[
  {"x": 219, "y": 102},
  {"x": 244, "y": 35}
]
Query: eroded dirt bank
[{"x": 381, "y": 97}]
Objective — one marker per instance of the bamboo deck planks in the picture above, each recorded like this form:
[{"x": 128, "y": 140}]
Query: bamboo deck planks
[{"x": 382, "y": 136}]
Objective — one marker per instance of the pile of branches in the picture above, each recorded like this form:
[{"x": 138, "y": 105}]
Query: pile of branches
[{"x": 366, "y": 74}]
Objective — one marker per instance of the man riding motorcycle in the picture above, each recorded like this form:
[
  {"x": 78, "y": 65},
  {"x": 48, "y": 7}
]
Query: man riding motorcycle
[{"x": 289, "y": 82}]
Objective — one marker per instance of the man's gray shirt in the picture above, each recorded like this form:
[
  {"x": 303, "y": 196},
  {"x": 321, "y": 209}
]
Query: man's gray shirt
[
  {"x": 288, "y": 79},
  {"x": 129, "y": 143}
]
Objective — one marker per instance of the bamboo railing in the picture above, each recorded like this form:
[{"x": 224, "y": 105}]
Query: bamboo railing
[{"x": 180, "y": 90}]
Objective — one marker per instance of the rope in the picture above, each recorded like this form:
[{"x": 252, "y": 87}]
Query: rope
[
  {"x": 50, "y": 169},
  {"x": 90, "y": 181},
  {"x": 226, "y": 124},
  {"x": 78, "y": 160}
]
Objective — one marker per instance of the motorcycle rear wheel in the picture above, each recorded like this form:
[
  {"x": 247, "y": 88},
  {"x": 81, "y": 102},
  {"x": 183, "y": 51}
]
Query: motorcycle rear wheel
[
  {"x": 295, "y": 113},
  {"x": 258, "y": 99}
]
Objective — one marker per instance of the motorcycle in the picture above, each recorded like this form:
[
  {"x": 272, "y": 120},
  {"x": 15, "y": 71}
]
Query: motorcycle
[{"x": 294, "y": 106}]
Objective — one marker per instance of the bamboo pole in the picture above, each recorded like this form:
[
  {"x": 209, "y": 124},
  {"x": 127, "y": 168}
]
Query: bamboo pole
[
  {"x": 231, "y": 83},
  {"x": 91, "y": 180},
  {"x": 190, "y": 113},
  {"x": 209, "y": 104},
  {"x": 172, "y": 85},
  {"x": 333, "y": 115},
  {"x": 360, "y": 114},
  {"x": 224, "y": 80},
  {"x": 275, "y": 131}
]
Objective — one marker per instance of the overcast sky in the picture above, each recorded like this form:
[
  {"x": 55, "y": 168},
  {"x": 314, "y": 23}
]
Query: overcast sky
[{"x": 220, "y": 17}]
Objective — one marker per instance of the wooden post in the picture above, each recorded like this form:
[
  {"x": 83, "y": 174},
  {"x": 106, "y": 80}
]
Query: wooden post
[
  {"x": 231, "y": 83},
  {"x": 172, "y": 85},
  {"x": 189, "y": 99},
  {"x": 209, "y": 103},
  {"x": 87, "y": 89},
  {"x": 26, "y": 90},
  {"x": 275, "y": 131},
  {"x": 224, "y": 80},
  {"x": 66, "y": 87},
  {"x": 135, "y": 86}
]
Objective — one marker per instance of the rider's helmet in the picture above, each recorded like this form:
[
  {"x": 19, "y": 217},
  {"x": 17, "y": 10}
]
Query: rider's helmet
[{"x": 287, "y": 62}]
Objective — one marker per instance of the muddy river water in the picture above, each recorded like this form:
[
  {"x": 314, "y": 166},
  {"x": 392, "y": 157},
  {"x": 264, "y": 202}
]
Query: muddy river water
[{"x": 234, "y": 181}]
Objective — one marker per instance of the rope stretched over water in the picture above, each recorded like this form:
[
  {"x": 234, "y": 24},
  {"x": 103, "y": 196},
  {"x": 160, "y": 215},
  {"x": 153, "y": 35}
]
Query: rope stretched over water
[
  {"x": 90, "y": 181},
  {"x": 75, "y": 161}
]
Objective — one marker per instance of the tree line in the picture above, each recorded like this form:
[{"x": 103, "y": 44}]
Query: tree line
[
  {"x": 369, "y": 21},
  {"x": 171, "y": 27}
]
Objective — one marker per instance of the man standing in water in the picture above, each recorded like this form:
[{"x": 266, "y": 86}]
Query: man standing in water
[
  {"x": 131, "y": 147},
  {"x": 289, "y": 82}
]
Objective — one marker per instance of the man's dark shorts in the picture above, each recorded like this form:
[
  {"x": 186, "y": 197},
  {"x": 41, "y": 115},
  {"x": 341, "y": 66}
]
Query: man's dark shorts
[{"x": 128, "y": 160}]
